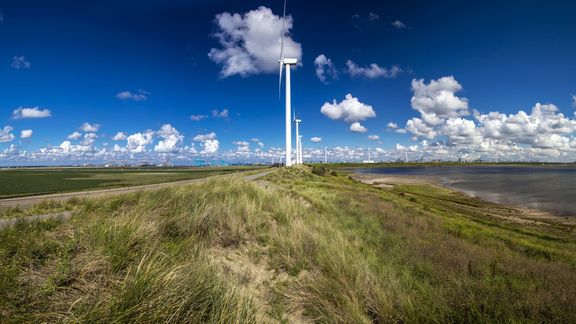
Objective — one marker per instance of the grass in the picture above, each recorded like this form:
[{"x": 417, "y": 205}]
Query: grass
[
  {"x": 26, "y": 182},
  {"x": 295, "y": 247}
]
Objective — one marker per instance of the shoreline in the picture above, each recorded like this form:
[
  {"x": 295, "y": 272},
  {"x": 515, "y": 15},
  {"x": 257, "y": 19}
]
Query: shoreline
[{"x": 519, "y": 214}]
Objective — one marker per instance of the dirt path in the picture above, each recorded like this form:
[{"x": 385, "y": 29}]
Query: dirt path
[{"x": 31, "y": 200}]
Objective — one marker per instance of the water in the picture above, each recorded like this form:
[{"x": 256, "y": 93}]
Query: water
[{"x": 548, "y": 189}]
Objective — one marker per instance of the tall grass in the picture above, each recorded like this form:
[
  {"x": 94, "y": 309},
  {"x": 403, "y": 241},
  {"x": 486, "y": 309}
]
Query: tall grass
[{"x": 298, "y": 247}]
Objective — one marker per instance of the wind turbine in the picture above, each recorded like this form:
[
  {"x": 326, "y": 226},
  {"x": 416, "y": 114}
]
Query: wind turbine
[
  {"x": 286, "y": 62},
  {"x": 298, "y": 140},
  {"x": 300, "y": 159}
]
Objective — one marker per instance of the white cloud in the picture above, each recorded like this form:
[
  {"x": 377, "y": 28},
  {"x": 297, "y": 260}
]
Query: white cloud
[
  {"x": 171, "y": 138},
  {"x": 251, "y": 42},
  {"x": 574, "y": 101},
  {"x": 140, "y": 95},
  {"x": 325, "y": 68},
  {"x": 35, "y": 112},
  {"x": 373, "y": 71},
  {"x": 89, "y": 128},
  {"x": 350, "y": 110},
  {"x": 210, "y": 146},
  {"x": 373, "y": 137},
  {"x": 392, "y": 125},
  {"x": 373, "y": 17},
  {"x": 137, "y": 143},
  {"x": 89, "y": 139},
  {"x": 74, "y": 136},
  {"x": 316, "y": 139},
  {"x": 209, "y": 143},
  {"x": 418, "y": 128},
  {"x": 358, "y": 128},
  {"x": 198, "y": 117},
  {"x": 437, "y": 101},
  {"x": 26, "y": 133},
  {"x": 20, "y": 62},
  {"x": 398, "y": 24},
  {"x": 243, "y": 147},
  {"x": 120, "y": 136},
  {"x": 6, "y": 134},
  {"x": 460, "y": 131},
  {"x": 204, "y": 137},
  {"x": 220, "y": 114}
]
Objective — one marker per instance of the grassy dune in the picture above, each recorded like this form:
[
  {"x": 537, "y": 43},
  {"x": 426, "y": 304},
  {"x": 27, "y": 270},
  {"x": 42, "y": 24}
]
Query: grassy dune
[{"x": 297, "y": 247}]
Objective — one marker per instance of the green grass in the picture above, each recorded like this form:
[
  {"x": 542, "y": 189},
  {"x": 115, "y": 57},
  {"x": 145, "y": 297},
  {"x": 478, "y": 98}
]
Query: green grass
[
  {"x": 296, "y": 247},
  {"x": 25, "y": 182}
]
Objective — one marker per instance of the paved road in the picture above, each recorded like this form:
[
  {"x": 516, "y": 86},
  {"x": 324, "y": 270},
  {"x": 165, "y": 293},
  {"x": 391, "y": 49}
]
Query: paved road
[{"x": 31, "y": 200}]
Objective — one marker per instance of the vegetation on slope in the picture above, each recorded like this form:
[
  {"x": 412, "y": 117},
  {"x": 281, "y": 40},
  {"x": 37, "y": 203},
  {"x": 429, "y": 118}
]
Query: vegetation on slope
[{"x": 296, "y": 247}]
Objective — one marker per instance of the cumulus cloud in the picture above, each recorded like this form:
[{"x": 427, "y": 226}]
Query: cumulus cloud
[
  {"x": 171, "y": 138},
  {"x": 358, "y": 128},
  {"x": 350, "y": 110},
  {"x": 220, "y": 114},
  {"x": 137, "y": 143},
  {"x": 373, "y": 71},
  {"x": 35, "y": 112},
  {"x": 392, "y": 125},
  {"x": 204, "y": 137},
  {"x": 6, "y": 134},
  {"x": 574, "y": 101},
  {"x": 418, "y": 128},
  {"x": 258, "y": 142},
  {"x": 209, "y": 143},
  {"x": 316, "y": 139},
  {"x": 20, "y": 62},
  {"x": 398, "y": 24},
  {"x": 242, "y": 147},
  {"x": 89, "y": 139},
  {"x": 89, "y": 128},
  {"x": 140, "y": 95},
  {"x": 198, "y": 117},
  {"x": 75, "y": 136},
  {"x": 436, "y": 101},
  {"x": 26, "y": 133},
  {"x": 120, "y": 136},
  {"x": 250, "y": 42},
  {"x": 325, "y": 68},
  {"x": 373, "y": 137}
]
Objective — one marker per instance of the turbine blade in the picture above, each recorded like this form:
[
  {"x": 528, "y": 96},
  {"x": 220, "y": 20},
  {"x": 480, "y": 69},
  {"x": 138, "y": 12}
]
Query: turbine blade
[{"x": 280, "y": 82}]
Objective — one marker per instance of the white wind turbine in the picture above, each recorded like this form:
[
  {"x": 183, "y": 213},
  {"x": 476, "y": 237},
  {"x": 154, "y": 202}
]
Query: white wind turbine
[
  {"x": 298, "y": 140},
  {"x": 287, "y": 62}
]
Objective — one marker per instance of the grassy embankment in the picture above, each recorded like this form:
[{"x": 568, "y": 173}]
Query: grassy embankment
[
  {"x": 26, "y": 182},
  {"x": 298, "y": 247}
]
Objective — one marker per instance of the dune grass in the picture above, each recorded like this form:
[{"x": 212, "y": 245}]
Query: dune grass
[{"x": 298, "y": 247}]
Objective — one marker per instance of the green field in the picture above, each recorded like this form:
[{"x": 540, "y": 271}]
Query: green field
[
  {"x": 301, "y": 245},
  {"x": 26, "y": 182}
]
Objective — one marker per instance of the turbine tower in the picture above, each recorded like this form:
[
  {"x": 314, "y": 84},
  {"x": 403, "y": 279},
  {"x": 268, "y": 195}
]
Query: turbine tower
[
  {"x": 300, "y": 160},
  {"x": 298, "y": 139},
  {"x": 286, "y": 62}
]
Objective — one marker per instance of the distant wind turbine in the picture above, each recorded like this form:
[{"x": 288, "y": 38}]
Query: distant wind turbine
[
  {"x": 298, "y": 140},
  {"x": 287, "y": 62}
]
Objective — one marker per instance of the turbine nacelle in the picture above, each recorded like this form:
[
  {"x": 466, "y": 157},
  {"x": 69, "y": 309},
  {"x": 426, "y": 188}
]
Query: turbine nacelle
[{"x": 289, "y": 61}]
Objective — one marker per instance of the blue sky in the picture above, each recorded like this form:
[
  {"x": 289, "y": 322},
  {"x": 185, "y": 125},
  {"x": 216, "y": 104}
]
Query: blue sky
[{"x": 136, "y": 66}]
